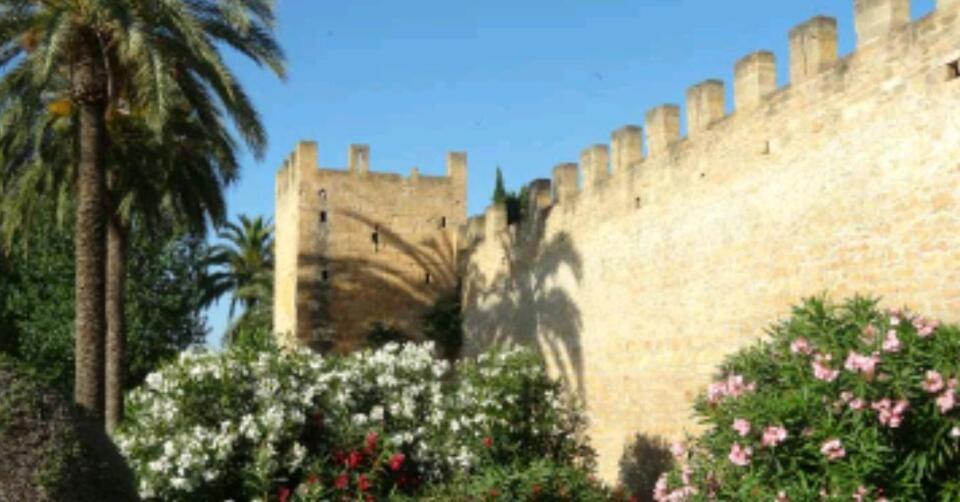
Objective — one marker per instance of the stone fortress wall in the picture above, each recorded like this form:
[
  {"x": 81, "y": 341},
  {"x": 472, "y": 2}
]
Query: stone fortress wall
[
  {"x": 643, "y": 266},
  {"x": 356, "y": 247}
]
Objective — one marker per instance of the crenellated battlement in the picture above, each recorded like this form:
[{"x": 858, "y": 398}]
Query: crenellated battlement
[
  {"x": 818, "y": 76},
  {"x": 660, "y": 254},
  {"x": 304, "y": 160},
  {"x": 355, "y": 246}
]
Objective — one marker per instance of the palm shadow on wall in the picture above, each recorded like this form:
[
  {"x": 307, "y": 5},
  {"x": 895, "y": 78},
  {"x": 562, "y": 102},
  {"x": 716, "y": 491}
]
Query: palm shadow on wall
[
  {"x": 522, "y": 302},
  {"x": 364, "y": 286},
  {"x": 643, "y": 460}
]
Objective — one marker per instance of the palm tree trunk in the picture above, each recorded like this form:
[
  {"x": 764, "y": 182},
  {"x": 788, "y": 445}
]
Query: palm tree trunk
[
  {"x": 116, "y": 319},
  {"x": 89, "y": 92}
]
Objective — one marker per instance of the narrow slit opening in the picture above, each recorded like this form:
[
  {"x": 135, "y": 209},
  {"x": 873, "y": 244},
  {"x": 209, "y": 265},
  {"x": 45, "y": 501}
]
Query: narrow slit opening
[{"x": 953, "y": 70}]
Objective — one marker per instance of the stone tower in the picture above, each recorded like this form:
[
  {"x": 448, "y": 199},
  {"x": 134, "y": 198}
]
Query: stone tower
[{"x": 356, "y": 248}]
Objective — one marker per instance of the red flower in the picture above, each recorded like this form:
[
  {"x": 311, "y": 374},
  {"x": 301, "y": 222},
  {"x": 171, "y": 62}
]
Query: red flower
[
  {"x": 372, "y": 442},
  {"x": 342, "y": 482},
  {"x": 339, "y": 457},
  {"x": 488, "y": 441},
  {"x": 312, "y": 479},
  {"x": 354, "y": 459},
  {"x": 536, "y": 489},
  {"x": 494, "y": 493},
  {"x": 396, "y": 461},
  {"x": 363, "y": 483},
  {"x": 283, "y": 494}
]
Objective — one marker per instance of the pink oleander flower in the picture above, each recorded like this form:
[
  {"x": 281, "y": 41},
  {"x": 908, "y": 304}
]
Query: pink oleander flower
[
  {"x": 712, "y": 485},
  {"x": 892, "y": 343},
  {"x": 661, "y": 490},
  {"x": 716, "y": 392},
  {"x": 741, "y": 426},
  {"x": 864, "y": 364},
  {"x": 861, "y": 494},
  {"x": 740, "y": 455},
  {"x": 679, "y": 450},
  {"x": 925, "y": 327},
  {"x": 662, "y": 493},
  {"x": 933, "y": 382},
  {"x": 833, "y": 449},
  {"x": 773, "y": 436},
  {"x": 734, "y": 386},
  {"x": 895, "y": 317},
  {"x": 858, "y": 404},
  {"x": 801, "y": 346},
  {"x": 820, "y": 369},
  {"x": 846, "y": 396},
  {"x": 947, "y": 401},
  {"x": 685, "y": 474},
  {"x": 889, "y": 413},
  {"x": 869, "y": 334},
  {"x": 737, "y": 387}
]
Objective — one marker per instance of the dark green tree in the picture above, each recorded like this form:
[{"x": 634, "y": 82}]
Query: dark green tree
[
  {"x": 182, "y": 173},
  {"x": 499, "y": 190},
  {"x": 164, "y": 313},
  {"x": 517, "y": 205},
  {"x": 242, "y": 267},
  {"x": 134, "y": 55}
]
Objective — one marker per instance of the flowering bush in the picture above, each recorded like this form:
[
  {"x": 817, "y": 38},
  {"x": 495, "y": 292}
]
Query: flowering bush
[
  {"x": 842, "y": 402},
  {"x": 286, "y": 425},
  {"x": 541, "y": 480}
]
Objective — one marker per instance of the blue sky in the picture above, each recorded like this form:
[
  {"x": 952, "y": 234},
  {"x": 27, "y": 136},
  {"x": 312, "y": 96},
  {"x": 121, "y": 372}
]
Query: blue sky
[{"x": 523, "y": 84}]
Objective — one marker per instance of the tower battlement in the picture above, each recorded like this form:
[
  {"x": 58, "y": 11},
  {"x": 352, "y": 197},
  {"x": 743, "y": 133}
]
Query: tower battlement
[{"x": 356, "y": 247}]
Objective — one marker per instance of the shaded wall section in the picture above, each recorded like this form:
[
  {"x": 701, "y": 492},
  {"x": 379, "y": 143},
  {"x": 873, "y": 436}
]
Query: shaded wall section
[
  {"x": 674, "y": 252},
  {"x": 356, "y": 248}
]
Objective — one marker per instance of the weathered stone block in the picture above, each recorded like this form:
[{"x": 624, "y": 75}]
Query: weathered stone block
[
  {"x": 705, "y": 105},
  {"x": 358, "y": 159},
  {"x": 595, "y": 162},
  {"x": 876, "y": 18},
  {"x": 663, "y": 129},
  {"x": 565, "y": 182},
  {"x": 626, "y": 145},
  {"x": 813, "y": 48},
  {"x": 755, "y": 78}
]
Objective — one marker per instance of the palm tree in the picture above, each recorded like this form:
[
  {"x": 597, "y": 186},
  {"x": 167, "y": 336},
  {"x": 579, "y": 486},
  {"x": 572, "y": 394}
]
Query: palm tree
[
  {"x": 243, "y": 266},
  {"x": 115, "y": 56},
  {"x": 136, "y": 54},
  {"x": 181, "y": 176}
]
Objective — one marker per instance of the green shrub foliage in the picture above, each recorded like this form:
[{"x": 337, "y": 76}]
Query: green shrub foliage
[
  {"x": 443, "y": 324},
  {"x": 294, "y": 425},
  {"x": 842, "y": 402},
  {"x": 47, "y": 451},
  {"x": 163, "y": 310},
  {"x": 541, "y": 481}
]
